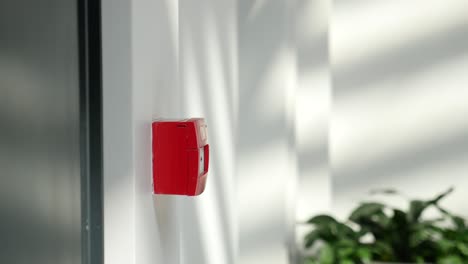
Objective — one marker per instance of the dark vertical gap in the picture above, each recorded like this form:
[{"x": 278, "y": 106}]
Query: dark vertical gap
[{"x": 89, "y": 35}]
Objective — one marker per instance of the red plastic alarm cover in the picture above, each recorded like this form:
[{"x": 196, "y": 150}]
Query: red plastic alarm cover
[{"x": 180, "y": 156}]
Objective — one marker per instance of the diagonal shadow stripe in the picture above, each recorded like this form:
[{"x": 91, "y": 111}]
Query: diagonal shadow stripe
[
  {"x": 399, "y": 165},
  {"x": 398, "y": 63}
]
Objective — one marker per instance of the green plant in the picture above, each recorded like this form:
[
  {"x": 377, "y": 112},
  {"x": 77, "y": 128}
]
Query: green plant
[{"x": 393, "y": 235}]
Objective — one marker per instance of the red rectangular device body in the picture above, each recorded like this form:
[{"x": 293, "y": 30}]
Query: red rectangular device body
[{"x": 180, "y": 156}]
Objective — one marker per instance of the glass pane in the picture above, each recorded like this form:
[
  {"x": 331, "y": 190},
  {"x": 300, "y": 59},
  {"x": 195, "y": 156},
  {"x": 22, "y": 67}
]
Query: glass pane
[{"x": 40, "y": 200}]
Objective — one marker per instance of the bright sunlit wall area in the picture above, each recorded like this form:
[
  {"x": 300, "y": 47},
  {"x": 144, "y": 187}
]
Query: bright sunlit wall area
[{"x": 400, "y": 100}]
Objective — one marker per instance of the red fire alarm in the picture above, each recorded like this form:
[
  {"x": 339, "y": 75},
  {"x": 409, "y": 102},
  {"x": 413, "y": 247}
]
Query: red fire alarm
[{"x": 180, "y": 156}]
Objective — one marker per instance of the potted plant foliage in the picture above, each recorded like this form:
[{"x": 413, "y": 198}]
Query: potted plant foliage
[{"x": 379, "y": 233}]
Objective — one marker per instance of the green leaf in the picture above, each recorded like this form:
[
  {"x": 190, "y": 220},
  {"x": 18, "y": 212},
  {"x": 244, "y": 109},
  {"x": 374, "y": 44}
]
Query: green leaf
[
  {"x": 364, "y": 254},
  {"x": 345, "y": 231},
  {"x": 416, "y": 209},
  {"x": 459, "y": 222},
  {"x": 311, "y": 261},
  {"x": 428, "y": 250},
  {"x": 366, "y": 210},
  {"x": 420, "y": 259},
  {"x": 345, "y": 252},
  {"x": 311, "y": 238},
  {"x": 381, "y": 218},
  {"x": 424, "y": 230},
  {"x": 463, "y": 248},
  {"x": 327, "y": 255},
  {"x": 450, "y": 260},
  {"x": 347, "y": 243},
  {"x": 418, "y": 237},
  {"x": 441, "y": 196},
  {"x": 383, "y": 250},
  {"x": 321, "y": 220},
  {"x": 446, "y": 245},
  {"x": 398, "y": 237},
  {"x": 433, "y": 221},
  {"x": 399, "y": 220},
  {"x": 328, "y": 231}
]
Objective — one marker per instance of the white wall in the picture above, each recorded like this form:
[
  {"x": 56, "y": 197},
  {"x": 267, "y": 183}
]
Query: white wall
[
  {"x": 236, "y": 63},
  {"x": 400, "y": 99},
  {"x": 313, "y": 107},
  {"x": 265, "y": 141},
  {"x": 167, "y": 59},
  {"x": 138, "y": 37},
  {"x": 261, "y": 73},
  {"x": 207, "y": 45},
  {"x": 313, "y": 111}
]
